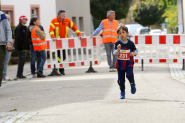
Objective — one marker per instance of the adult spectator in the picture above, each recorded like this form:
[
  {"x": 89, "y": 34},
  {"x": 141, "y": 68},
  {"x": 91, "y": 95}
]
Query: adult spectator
[
  {"x": 5, "y": 41},
  {"x": 109, "y": 27},
  {"x": 8, "y": 54},
  {"x": 21, "y": 44},
  {"x": 33, "y": 53},
  {"x": 59, "y": 26},
  {"x": 39, "y": 44}
]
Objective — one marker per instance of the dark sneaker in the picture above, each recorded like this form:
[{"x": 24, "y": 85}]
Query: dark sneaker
[
  {"x": 133, "y": 89},
  {"x": 21, "y": 77},
  {"x": 122, "y": 95},
  {"x": 61, "y": 70},
  {"x": 40, "y": 74}
]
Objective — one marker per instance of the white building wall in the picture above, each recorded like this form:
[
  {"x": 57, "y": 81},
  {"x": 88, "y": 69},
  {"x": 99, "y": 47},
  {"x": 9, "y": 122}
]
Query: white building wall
[
  {"x": 22, "y": 7},
  {"x": 77, "y": 8}
]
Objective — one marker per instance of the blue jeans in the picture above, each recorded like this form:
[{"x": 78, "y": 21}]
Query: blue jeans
[
  {"x": 43, "y": 59},
  {"x": 33, "y": 56},
  {"x": 109, "y": 48},
  {"x": 7, "y": 58}
]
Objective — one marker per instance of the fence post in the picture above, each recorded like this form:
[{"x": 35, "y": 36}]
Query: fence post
[
  {"x": 142, "y": 65},
  {"x": 91, "y": 69},
  {"x": 183, "y": 64},
  {"x": 55, "y": 72}
]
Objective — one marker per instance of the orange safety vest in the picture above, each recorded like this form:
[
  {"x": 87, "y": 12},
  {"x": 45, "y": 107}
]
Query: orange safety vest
[
  {"x": 38, "y": 44},
  {"x": 110, "y": 32},
  {"x": 61, "y": 28}
]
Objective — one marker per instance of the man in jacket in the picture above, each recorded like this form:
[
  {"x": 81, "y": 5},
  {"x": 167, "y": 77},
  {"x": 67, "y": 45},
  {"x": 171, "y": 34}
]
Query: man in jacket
[
  {"x": 109, "y": 27},
  {"x": 59, "y": 26},
  {"x": 33, "y": 53},
  {"x": 8, "y": 54},
  {"x": 21, "y": 44},
  {"x": 5, "y": 41}
]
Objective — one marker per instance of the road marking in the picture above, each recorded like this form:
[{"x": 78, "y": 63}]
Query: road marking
[{"x": 16, "y": 117}]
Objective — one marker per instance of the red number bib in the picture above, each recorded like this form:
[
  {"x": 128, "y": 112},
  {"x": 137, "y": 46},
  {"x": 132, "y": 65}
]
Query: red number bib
[{"x": 124, "y": 55}]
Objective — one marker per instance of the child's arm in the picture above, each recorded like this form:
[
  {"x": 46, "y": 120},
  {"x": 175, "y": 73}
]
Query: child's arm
[
  {"x": 117, "y": 49},
  {"x": 135, "y": 52}
]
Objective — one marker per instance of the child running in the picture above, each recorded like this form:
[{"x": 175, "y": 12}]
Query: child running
[{"x": 125, "y": 50}]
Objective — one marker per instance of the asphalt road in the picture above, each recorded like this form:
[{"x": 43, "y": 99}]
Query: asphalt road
[{"x": 78, "y": 97}]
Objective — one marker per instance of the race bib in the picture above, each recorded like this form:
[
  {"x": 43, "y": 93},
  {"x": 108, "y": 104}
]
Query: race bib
[{"x": 124, "y": 55}]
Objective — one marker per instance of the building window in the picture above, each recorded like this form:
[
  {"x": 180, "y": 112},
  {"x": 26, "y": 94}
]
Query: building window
[
  {"x": 81, "y": 23},
  {"x": 74, "y": 20},
  {"x": 35, "y": 9},
  {"x": 9, "y": 9}
]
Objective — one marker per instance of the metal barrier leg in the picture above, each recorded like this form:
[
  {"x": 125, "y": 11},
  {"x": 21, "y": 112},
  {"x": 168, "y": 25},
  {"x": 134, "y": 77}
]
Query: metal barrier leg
[
  {"x": 142, "y": 65},
  {"x": 183, "y": 64},
  {"x": 91, "y": 69},
  {"x": 55, "y": 72}
]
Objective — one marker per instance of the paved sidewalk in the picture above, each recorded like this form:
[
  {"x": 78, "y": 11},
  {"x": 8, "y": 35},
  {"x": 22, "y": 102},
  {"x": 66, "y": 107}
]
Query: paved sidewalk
[
  {"x": 177, "y": 73},
  {"x": 12, "y": 71}
]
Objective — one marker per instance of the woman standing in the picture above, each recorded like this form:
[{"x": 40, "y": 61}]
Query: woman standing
[{"x": 39, "y": 44}]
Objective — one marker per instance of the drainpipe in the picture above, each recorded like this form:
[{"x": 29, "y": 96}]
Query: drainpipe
[{"x": 182, "y": 15}]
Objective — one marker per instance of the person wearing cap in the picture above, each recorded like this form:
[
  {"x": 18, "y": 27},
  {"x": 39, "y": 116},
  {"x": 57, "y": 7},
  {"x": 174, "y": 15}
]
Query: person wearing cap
[
  {"x": 8, "y": 54},
  {"x": 33, "y": 53},
  {"x": 5, "y": 41},
  {"x": 21, "y": 44},
  {"x": 59, "y": 27}
]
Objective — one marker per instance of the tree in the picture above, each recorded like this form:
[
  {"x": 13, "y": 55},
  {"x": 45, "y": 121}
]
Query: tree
[
  {"x": 147, "y": 14},
  {"x": 99, "y": 9},
  {"x": 171, "y": 16}
]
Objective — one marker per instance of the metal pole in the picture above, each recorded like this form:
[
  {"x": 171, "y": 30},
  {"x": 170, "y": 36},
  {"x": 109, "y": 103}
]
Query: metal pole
[
  {"x": 183, "y": 64},
  {"x": 182, "y": 15},
  {"x": 142, "y": 65}
]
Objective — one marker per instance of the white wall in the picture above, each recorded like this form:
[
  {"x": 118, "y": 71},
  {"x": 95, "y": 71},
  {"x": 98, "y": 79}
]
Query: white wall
[
  {"x": 22, "y": 7},
  {"x": 76, "y": 8}
]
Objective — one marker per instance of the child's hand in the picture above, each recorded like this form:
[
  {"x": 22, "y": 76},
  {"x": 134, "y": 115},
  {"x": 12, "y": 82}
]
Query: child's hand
[
  {"x": 132, "y": 54},
  {"x": 119, "y": 47}
]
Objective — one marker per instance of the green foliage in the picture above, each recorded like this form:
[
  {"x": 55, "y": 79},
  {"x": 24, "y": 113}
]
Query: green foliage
[
  {"x": 171, "y": 16},
  {"x": 13, "y": 29},
  {"x": 147, "y": 14},
  {"x": 99, "y": 9}
]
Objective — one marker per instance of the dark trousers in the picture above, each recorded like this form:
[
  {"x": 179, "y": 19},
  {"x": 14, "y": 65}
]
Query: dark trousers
[
  {"x": 41, "y": 63},
  {"x": 22, "y": 59},
  {"x": 2, "y": 57},
  {"x": 64, "y": 57},
  {"x": 121, "y": 77}
]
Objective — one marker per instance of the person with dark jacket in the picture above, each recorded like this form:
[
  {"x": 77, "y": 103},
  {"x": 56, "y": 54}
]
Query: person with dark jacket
[
  {"x": 21, "y": 44},
  {"x": 33, "y": 53}
]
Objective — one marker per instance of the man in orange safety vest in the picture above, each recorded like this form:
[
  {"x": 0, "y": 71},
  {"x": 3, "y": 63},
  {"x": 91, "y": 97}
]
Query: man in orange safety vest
[
  {"x": 109, "y": 27},
  {"x": 59, "y": 26}
]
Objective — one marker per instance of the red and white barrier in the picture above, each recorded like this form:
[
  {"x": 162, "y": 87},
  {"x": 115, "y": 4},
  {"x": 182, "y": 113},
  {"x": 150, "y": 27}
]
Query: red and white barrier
[
  {"x": 159, "y": 48},
  {"x": 78, "y": 52}
]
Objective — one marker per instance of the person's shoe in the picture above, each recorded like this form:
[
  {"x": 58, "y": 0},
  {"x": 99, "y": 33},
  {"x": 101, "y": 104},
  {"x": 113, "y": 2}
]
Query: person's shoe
[
  {"x": 21, "y": 77},
  {"x": 6, "y": 78},
  {"x": 34, "y": 76},
  {"x": 40, "y": 74},
  {"x": 114, "y": 70},
  {"x": 133, "y": 89},
  {"x": 61, "y": 71},
  {"x": 122, "y": 95},
  {"x": 111, "y": 69}
]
